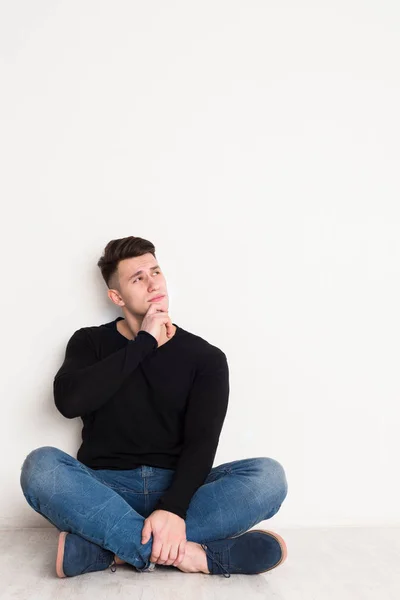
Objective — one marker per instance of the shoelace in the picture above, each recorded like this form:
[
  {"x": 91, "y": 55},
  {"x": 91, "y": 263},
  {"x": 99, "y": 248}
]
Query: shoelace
[
  {"x": 113, "y": 566},
  {"x": 212, "y": 556}
]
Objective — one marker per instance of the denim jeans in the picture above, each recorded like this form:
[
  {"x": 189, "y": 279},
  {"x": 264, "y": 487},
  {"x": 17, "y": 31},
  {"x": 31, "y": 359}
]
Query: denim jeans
[{"x": 108, "y": 507}]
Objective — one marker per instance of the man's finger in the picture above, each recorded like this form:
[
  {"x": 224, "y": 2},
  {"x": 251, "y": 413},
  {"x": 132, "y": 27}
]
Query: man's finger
[
  {"x": 164, "y": 554},
  {"x": 170, "y": 329},
  {"x": 173, "y": 554},
  {"x": 146, "y": 531},
  {"x": 155, "y": 550},
  {"x": 181, "y": 554}
]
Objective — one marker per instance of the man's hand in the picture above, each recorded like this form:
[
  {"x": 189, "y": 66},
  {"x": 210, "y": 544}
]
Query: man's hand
[{"x": 169, "y": 537}]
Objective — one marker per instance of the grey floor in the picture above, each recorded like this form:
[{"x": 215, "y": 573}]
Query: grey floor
[{"x": 322, "y": 564}]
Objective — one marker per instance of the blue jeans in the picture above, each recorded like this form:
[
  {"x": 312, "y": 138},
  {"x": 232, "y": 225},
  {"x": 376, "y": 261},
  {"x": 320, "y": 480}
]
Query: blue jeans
[{"x": 108, "y": 507}]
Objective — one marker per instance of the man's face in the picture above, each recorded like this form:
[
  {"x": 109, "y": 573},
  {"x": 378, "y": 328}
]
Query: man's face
[{"x": 137, "y": 289}]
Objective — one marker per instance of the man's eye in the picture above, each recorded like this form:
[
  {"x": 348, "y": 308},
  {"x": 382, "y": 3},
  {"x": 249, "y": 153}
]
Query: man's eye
[{"x": 141, "y": 278}]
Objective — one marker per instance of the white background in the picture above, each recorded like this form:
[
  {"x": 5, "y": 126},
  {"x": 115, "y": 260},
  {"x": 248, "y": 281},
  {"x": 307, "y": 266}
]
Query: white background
[{"x": 256, "y": 144}]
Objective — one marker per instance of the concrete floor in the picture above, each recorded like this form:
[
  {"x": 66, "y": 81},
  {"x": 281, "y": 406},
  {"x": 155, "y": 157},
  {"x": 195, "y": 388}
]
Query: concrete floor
[{"x": 322, "y": 564}]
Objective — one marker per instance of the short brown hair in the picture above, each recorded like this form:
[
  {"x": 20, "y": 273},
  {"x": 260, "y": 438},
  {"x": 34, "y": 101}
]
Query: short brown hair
[{"x": 117, "y": 250}]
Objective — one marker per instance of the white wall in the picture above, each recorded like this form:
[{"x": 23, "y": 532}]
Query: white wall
[{"x": 256, "y": 144}]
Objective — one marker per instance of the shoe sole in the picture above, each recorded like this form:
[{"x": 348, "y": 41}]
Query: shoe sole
[
  {"x": 280, "y": 541},
  {"x": 60, "y": 554}
]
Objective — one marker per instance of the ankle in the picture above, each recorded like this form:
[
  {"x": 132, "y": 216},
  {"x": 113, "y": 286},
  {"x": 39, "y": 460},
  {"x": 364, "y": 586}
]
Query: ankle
[
  {"x": 118, "y": 560},
  {"x": 195, "y": 560}
]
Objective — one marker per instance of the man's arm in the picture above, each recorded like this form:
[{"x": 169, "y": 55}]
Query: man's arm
[
  {"x": 205, "y": 414},
  {"x": 83, "y": 383}
]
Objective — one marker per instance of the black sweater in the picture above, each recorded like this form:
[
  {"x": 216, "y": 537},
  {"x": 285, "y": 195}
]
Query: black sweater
[{"x": 146, "y": 405}]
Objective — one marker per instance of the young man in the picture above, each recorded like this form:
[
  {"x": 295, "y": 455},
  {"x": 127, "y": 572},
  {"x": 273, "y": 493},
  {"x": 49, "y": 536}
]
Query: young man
[{"x": 152, "y": 398}]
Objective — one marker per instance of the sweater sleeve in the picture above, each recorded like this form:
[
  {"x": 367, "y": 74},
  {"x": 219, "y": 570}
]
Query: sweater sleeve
[
  {"x": 83, "y": 383},
  {"x": 205, "y": 415}
]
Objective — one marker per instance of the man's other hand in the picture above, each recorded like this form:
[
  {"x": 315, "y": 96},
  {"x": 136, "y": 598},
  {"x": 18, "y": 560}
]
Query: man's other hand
[{"x": 169, "y": 537}]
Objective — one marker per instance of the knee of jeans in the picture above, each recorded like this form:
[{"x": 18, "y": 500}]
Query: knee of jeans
[
  {"x": 37, "y": 462},
  {"x": 277, "y": 476}
]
